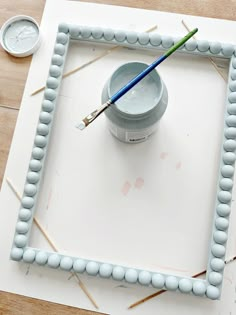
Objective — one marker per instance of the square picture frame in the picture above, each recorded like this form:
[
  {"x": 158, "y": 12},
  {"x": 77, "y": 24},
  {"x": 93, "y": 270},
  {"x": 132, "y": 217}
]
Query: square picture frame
[{"x": 209, "y": 287}]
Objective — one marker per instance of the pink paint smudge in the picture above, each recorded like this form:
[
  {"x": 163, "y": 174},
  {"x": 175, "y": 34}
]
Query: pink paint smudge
[
  {"x": 163, "y": 155},
  {"x": 139, "y": 183},
  {"x": 178, "y": 165},
  {"x": 126, "y": 187}
]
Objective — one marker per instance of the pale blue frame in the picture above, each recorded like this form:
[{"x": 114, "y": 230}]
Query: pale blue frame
[{"x": 209, "y": 287}]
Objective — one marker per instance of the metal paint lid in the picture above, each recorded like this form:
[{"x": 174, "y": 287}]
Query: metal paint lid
[{"x": 20, "y": 36}]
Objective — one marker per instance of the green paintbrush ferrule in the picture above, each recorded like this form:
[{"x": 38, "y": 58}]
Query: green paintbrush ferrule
[{"x": 181, "y": 42}]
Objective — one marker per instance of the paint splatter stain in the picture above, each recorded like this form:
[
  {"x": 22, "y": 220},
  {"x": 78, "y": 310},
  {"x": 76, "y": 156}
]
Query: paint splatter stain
[
  {"x": 70, "y": 277},
  {"x": 178, "y": 165},
  {"x": 49, "y": 199},
  {"x": 121, "y": 286},
  {"x": 139, "y": 183},
  {"x": 163, "y": 155},
  {"x": 27, "y": 270},
  {"x": 126, "y": 187}
]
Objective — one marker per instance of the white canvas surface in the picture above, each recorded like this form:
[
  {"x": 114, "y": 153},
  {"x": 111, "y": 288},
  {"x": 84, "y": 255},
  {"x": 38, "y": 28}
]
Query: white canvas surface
[{"x": 166, "y": 223}]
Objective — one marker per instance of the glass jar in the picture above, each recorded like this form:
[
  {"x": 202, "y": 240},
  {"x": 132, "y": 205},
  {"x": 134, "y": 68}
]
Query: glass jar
[{"x": 134, "y": 117}]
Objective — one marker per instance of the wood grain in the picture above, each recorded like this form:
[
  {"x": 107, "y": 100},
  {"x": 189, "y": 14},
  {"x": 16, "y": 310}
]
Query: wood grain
[
  {"x": 14, "y": 72},
  {"x": 14, "y": 304},
  {"x": 7, "y": 124},
  {"x": 221, "y": 9},
  {"x": 12, "y": 80}
]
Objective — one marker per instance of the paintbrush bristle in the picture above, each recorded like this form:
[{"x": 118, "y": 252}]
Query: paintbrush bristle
[{"x": 81, "y": 125}]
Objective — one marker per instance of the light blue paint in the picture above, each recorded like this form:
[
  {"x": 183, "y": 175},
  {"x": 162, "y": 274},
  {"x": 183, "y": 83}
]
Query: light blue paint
[{"x": 133, "y": 118}]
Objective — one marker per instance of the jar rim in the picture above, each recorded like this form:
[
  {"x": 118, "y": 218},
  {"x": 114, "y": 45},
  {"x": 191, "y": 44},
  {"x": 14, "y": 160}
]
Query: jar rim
[{"x": 155, "y": 76}]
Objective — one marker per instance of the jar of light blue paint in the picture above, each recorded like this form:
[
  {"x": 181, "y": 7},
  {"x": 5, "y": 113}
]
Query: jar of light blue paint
[{"x": 134, "y": 117}]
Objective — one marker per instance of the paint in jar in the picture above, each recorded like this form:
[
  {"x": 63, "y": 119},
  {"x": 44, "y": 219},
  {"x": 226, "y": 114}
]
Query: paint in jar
[{"x": 135, "y": 116}]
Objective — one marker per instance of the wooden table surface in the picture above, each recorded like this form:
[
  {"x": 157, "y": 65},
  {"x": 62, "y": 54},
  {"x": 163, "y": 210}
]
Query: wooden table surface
[{"x": 12, "y": 81}]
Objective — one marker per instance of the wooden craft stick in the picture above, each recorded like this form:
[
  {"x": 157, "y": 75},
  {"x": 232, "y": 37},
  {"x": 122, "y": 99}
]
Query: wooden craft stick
[
  {"x": 8, "y": 107},
  {"x": 91, "y": 61},
  {"x": 187, "y": 28},
  {"x": 151, "y": 296},
  {"x": 35, "y": 219},
  {"x": 85, "y": 290},
  {"x": 45, "y": 234},
  {"x": 147, "y": 298},
  {"x": 81, "y": 284},
  {"x": 209, "y": 58},
  {"x": 13, "y": 188}
]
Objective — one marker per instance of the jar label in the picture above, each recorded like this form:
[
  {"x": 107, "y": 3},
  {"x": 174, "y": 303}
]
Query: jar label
[
  {"x": 131, "y": 136},
  {"x": 138, "y": 136}
]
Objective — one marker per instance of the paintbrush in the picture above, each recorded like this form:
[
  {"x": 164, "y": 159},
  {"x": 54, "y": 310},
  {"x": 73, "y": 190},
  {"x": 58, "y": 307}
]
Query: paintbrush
[{"x": 91, "y": 117}]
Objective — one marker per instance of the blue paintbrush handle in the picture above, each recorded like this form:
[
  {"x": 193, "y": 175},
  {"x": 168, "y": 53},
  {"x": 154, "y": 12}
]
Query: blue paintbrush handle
[
  {"x": 91, "y": 117},
  {"x": 136, "y": 79},
  {"x": 152, "y": 66}
]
